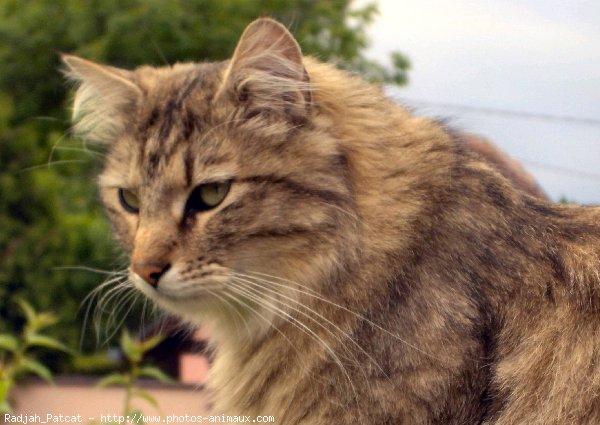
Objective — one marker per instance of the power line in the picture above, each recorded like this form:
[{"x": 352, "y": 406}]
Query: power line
[
  {"x": 504, "y": 112},
  {"x": 562, "y": 170}
]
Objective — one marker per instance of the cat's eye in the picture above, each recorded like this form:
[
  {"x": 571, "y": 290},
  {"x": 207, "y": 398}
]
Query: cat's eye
[
  {"x": 129, "y": 200},
  {"x": 207, "y": 196}
]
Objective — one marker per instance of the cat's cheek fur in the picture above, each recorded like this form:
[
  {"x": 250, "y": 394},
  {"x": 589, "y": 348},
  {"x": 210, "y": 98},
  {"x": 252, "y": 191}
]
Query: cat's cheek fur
[{"x": 123, "y": 223}]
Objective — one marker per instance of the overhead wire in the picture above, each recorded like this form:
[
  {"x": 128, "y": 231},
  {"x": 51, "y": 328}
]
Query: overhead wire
[
  {"x": 508, "y": 113},
  {"x": 503, "y": 112}
]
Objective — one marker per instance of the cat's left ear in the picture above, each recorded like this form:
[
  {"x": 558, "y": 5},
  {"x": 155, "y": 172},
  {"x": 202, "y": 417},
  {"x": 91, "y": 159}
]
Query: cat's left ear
[
  {"x": 267, "y": 71},
  {"x": 105, "y": 96}
]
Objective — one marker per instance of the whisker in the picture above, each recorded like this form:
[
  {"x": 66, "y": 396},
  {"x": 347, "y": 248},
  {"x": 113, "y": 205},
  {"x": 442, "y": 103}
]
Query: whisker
[
  {"x": 126, "y": 294},
  {"x": 292, "y": 320},
  {"x": 54, "y": 146},
  {"x": 89, "y": 299},
  {"x": 94, "y": 270},
  {"x": 245, "y": 322},
  {"x": 114, "y": 279},
  {"x": 132, "y": 294},
  {"x": 131, "y": 299},
  {"x": 47, "y": 118},
  {"x": 320, "y": 316},
  {"x": 349, "y": 355},
  {"x": 142, "y": 324},
  {"x": 111, "y": 293},
  {"x": 123, "y": 287},
  {"x": 61, "y": 162},
  {"x": 310, "y": 292},
  {"x": 271, "y": 325},
  {"x": 86, "y": 151}
]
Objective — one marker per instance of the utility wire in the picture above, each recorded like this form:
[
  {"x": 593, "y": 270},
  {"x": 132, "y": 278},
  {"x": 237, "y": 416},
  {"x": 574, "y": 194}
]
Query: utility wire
[
  {"x": 562, "y": 170},
  {"x": 504, "y": 112}
]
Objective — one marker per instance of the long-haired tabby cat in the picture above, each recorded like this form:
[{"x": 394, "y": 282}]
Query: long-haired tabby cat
[{"x": 357, "y": 265}]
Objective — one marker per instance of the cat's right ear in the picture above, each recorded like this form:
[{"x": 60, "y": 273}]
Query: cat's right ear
[
  {"x": 267, "y": 73},
  {"x": 103, "y": 99}
]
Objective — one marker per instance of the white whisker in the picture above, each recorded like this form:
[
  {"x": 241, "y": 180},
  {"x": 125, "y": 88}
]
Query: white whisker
[
  {"x": 294, "y": 321},
  {"x": 320, "y": 316},
  {"x": 131, "y": 297},
  {"x": 116, "y": 279},
  {"x": 233, "y": 307},
  {"x": 269, "y": 322},
  {"x": 94, "y": 270},
  {"x": 61, "y": 162},
  {"x": 311, "y": 293}
]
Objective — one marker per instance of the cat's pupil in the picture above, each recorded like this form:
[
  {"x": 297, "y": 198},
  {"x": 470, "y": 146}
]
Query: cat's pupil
[{"x": 207, "y": 196}]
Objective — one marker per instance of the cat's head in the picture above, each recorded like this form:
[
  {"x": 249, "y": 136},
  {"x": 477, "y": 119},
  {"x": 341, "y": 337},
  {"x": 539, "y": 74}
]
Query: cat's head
[{"x": 224, "y": 181}]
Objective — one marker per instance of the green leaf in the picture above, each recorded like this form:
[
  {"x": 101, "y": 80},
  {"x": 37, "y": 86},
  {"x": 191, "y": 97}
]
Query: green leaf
[
  {"x": 35, "y": 367},
  {"x": 112, "y": 379},
  {"x": 5, "y": 385},
  {"x": 152, "y": 342},
  {"x": 136, "y": 416},
  {"x": 96, "y": 363},
  {"x": 36, "y": 340},
  {"x": 46, "y": 319},
  {"x": 5, "y": 406},
  {"x": 8, "y": 343},
  {"x": 130, "y": 347},
  {"x": 153, "y": 372},
  {"x": 146, "y": 396},
  {"x": 30, "y": 313}
]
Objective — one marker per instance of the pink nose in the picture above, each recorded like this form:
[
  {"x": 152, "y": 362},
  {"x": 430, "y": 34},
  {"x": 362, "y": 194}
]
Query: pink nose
[{"x": 150, "y": 271}]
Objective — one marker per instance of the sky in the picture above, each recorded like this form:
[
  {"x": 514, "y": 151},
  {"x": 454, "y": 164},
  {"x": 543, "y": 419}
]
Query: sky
[{"x": 531, "y": 57}]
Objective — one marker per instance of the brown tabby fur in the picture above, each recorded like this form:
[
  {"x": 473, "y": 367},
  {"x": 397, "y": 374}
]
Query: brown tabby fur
[
  {"x": 402, "y": 279},
  {"x": 507, "y": 166}
]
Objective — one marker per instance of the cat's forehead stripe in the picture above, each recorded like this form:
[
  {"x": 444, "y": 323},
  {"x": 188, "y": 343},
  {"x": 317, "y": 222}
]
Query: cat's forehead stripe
[
  {"x": 181, "y": 108},
  {"x": 175, "y": 106}
]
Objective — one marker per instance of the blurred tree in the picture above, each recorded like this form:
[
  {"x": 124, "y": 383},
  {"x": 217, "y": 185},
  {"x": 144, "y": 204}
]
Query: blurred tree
[{"x": 49, "y": 217}]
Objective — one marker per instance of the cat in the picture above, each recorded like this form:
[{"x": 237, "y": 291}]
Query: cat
[
  {"x": 507, "y": 166},
  {"x": 356, "y": 264}
]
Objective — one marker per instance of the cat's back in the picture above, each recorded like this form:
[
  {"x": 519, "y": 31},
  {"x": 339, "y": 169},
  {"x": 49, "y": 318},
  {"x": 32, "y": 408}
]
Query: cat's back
[
  {"x": 533, "y": 268},
  {"x": 529, "y": 269}
]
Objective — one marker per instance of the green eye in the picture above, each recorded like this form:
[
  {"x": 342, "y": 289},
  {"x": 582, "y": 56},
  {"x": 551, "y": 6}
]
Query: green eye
[
  {"x": 207, "y": 196},
  {"x": 212, "y": 194},
  {"x": 129, "y": 200}
]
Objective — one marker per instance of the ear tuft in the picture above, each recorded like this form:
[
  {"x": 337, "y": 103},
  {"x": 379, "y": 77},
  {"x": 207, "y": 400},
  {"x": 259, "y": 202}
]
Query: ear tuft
[
  {"x": 267, "y": 68},
  {"x": 104, "y": 97}
]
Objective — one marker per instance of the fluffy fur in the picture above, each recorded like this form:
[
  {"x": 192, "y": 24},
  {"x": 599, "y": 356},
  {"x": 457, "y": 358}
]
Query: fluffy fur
[{"x": 365, "y": 267}]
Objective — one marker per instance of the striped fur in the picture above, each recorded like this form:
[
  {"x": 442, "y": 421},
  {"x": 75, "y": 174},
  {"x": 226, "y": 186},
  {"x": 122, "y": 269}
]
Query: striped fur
[{"x": 365, "y": 267}]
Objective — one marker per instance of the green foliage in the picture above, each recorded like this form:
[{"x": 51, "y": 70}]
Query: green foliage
[
  {"x": 49, "y": 218},
  {"x": 134, "y": 351},
  {"x": 94, "y": 364},
  {"x": 49, "y": 215},
  {"x": 564, "y": 200},
  {"x": 17, "y": 353}
]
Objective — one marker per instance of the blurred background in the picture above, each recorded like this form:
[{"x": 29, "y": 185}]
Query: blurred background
[{"x": 524, "y": 74}]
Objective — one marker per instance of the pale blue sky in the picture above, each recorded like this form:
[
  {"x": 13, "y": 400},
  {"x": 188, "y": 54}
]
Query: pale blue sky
[{"x": 533, "y": 56}]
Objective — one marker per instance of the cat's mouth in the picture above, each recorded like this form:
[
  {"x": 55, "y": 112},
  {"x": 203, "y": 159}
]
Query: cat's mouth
[
  {"x": 180, "y": 287},
  {"x": 202, "y": 297}
]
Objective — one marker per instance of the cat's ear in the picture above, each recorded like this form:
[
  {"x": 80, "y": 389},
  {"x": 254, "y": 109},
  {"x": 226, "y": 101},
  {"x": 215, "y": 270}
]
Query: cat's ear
[
  {"x": 267, "y": 70},
  {"x": 103, "y": 99}
]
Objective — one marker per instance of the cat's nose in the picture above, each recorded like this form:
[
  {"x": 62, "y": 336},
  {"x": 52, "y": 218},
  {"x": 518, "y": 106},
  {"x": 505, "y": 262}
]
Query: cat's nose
[{"x": 150, "y": 271}]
